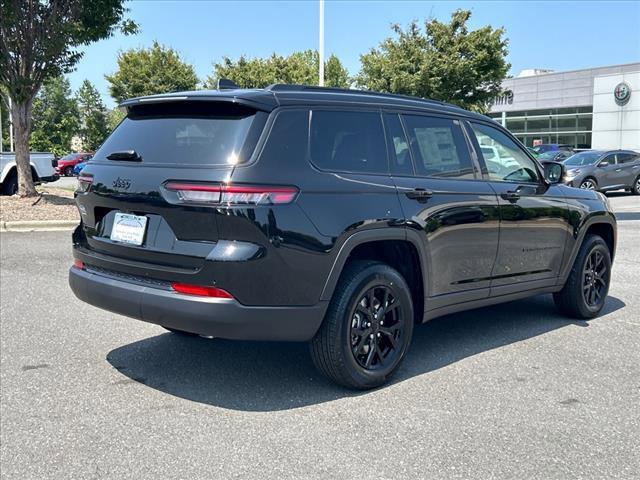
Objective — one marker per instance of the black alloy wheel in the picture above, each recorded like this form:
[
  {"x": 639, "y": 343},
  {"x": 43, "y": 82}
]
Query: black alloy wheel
[
  {"x": 377, "y": 328},
  {"x": 368, "y": 326},
  {"x": 585, "y": 291},
  {"x": 595, "y": 279}
]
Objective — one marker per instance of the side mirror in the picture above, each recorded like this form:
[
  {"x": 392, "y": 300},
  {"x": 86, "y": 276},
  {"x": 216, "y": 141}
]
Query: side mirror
[
  {"x": 553, "y": 172},
  {"x": 603, "y": 163}
]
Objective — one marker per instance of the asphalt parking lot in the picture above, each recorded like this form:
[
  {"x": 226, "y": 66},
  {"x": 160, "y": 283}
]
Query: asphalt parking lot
[{"x": 512, "y": 391}]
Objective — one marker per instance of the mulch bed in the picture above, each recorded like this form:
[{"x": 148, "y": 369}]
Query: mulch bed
[{"x": 52, "y": 204}]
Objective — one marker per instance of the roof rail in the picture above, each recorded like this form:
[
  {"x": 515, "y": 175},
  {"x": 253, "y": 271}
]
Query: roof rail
[{"x": 286, "y": 87}]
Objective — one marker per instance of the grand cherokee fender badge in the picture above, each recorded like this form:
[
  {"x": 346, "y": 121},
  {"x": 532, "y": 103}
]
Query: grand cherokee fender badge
[{"x": 121, "y": 183}]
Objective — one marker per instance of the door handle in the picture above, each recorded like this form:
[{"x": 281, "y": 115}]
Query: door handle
[
  {"x": 419, "y": 194},
  {"x": 510, "y": 195},
  {"x": 618, "y": 169}
]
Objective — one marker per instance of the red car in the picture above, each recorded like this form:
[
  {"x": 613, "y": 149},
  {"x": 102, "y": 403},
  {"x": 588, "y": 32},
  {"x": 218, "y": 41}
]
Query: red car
[{"x": 66, "y": 163}]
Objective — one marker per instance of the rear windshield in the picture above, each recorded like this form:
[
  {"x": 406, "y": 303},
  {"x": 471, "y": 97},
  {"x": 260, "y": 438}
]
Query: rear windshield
[{"x": 187, "y": 133}]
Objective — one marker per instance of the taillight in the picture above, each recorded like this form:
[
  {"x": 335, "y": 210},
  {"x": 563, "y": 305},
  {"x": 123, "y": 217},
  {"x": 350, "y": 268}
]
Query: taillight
[
  {"x": 232, "y": 194},
  {"x": 200, "y": 290},
  {"x": 78, "y": 264},
  {"x": 84, "y": 182}
]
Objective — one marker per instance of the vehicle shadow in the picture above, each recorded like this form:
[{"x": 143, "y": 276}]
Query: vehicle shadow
[{"x": 263, "y": 376}]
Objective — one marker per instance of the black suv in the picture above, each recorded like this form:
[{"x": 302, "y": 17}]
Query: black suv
[{"x": 337, "y": 217}]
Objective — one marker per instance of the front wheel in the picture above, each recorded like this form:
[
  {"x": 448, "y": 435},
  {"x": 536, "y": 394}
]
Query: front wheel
[
  {"x": 368, "y": 327},
  {"x": 585, "y": 291},
  {"x": 68, "y": 171},
  {"x": 589, "y": 184},
  {"x": 636, "y": 186}
]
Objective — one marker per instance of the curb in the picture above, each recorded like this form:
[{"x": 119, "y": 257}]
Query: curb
[{"x": 38, "y": 225}]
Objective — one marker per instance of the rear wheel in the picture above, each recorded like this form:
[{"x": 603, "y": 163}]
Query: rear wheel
[
  {"x": 68, "y": 171},
  {"x": 589, "y": 184},
  {"x": 368, "y": 327},
  {"x": 584, "y": 294},
  {"x": 10, "y": 184}
]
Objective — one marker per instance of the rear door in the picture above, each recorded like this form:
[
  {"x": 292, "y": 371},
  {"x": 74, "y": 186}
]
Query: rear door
[
  {"x": 533, "y": 215},
  {"x": 629, "y": 164},
  {"x": 608, "y": 175},
  {"x": 443, "y": 199}
]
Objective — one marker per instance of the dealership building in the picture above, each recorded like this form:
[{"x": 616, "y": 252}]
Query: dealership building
[{"x": 592, "y": 108}]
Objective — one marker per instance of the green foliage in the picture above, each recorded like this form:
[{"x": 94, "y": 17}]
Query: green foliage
[
  {"x": 299, "y": 68},
  {"x": 335, "y": 75},
  {"x": 41, "y": 39},
  {"x": 114, "y": 117},
  {"x": 447, "y": 62},
  {"x": 55, "y": 118},
  {"x": 93, "y": 117},
  {"x": 150, "y": 71}
]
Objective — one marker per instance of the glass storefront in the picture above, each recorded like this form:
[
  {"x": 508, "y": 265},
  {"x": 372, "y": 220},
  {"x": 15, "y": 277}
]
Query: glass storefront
[{"x": 571, "y": 126}]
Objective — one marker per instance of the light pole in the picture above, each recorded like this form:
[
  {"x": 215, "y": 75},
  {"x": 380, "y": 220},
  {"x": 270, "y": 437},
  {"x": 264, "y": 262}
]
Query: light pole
[{"x": 321, "y": 48}]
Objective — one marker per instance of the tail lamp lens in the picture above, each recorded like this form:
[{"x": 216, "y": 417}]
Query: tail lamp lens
[
  {"x": 200, "y": 290},
  {"x": 232, "y": 194},
  {"x": 78, "y": 264},
  {"x": 84, "y": 182}
]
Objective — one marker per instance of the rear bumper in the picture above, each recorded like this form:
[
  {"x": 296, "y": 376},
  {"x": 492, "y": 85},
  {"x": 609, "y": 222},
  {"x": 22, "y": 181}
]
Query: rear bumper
[{"x": 222, "y": 318}]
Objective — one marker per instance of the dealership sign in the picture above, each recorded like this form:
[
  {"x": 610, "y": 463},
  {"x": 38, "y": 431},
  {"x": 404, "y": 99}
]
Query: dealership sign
[{"x": 622, "y": 93}]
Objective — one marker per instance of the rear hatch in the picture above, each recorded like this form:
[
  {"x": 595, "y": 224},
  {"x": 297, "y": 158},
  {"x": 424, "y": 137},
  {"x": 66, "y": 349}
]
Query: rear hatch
[{"x": 135, "y": 217}]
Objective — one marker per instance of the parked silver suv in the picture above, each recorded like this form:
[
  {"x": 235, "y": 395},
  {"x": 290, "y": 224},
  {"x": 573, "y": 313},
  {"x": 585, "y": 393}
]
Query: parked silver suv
[{"x": 604, "y": 170}]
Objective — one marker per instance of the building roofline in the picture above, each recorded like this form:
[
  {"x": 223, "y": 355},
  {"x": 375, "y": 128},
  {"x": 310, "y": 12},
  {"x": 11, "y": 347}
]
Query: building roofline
[{"x": 560, "y": 72}]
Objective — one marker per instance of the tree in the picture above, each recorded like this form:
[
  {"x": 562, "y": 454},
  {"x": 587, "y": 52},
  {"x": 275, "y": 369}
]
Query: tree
[
  {"x": 298, "y": 68},
  {"x": 94, "y": 126},
  {"x": 150, "y": 71},
  {"x": 55, "y": 118},
  {"x": 447, "y": 62},
  {"x": 39, "y": 39},
  {"x": 114, "y": 117}
]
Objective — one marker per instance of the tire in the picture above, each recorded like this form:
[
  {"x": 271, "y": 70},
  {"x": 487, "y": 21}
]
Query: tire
[
  {"x": 574, "y": 298},
  {"x": 350, "y": 322},
  {"x": 635, "y": 188},
  {"x": 181, "y": 332},
  {"x": 68, "y": 171},
  {"x": 10, "y": 184},
  {"x": 589, "y": 184}
]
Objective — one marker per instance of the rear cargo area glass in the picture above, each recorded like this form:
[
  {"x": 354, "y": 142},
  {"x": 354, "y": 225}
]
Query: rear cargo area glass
[{"x": 201, "y": 134}]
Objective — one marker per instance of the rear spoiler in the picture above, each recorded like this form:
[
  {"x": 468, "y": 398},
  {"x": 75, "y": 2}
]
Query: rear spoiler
[{"x": 265, "y": 102}]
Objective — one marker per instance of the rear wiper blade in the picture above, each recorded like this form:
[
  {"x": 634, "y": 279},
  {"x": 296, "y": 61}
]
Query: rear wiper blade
[{"x": 125, "y": 155}]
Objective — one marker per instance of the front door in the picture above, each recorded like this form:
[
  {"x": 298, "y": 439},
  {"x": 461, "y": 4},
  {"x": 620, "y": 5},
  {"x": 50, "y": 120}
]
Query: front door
[
  {"x": 533, "y": 215},
  {"x": 454, "y": 212}
]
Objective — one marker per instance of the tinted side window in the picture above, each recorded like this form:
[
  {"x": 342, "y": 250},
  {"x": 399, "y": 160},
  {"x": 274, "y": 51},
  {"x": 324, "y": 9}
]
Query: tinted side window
[
  {"x": 398, "y": 145},
  {"x": 505, "y": 160},
  {"x": 438, "y": 147},
  {"x": 348, "y": 141},
  {"x": 627, "y": 157},
  {"x": 610, "y": 159}
]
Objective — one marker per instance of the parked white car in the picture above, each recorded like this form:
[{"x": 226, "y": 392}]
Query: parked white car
[{"x": 42, "y": 168}]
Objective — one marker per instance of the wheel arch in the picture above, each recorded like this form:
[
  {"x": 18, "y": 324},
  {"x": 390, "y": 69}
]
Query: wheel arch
[
  {"x": 602, "y": 224},
  {"x": 388, "y": 245}
]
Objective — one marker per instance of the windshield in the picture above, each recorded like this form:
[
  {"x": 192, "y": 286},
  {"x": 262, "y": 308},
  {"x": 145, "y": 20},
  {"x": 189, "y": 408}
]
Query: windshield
[
  {"x": 202, "y": 134},
  {"x": 582, "y": 158},
  {"x": 547, "y": 155}
]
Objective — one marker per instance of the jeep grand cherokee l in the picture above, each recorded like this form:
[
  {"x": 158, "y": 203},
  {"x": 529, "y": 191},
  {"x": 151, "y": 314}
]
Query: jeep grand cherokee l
[{"x": 338, "y": 217}]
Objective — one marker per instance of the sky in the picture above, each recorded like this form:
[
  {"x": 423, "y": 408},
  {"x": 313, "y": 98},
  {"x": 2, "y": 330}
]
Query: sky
[{"x": 560, "y": 35}]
